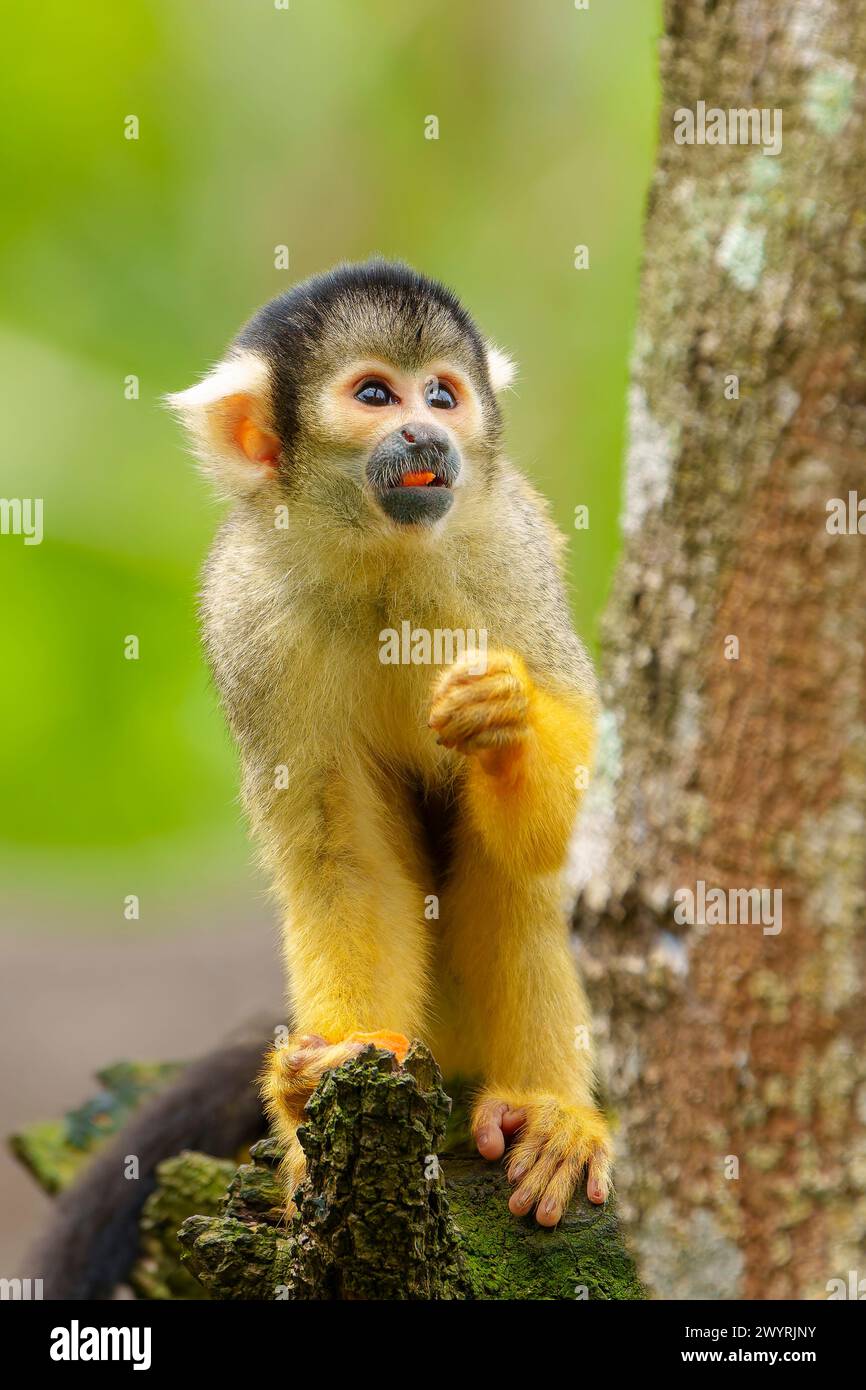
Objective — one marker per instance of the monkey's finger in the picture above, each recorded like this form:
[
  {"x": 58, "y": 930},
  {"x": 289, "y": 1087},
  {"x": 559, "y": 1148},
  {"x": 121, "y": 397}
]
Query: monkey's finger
[
  {"x": 504, "y": 737},
  {"x": 478, "y": 684},
  {"x": 474, "y": 723},
  {"x": 513, "y": 1120},
  {"x": 462, "y": 673},
  {"x": 483, "y": 691},
  {"x": 487, "y": 1128},
  {"x": 477, "y": 721},
  {"x": 459, "y": 706},
  {"x": 598, "y": 1177},
  {"x": 557, "y": 1194}
]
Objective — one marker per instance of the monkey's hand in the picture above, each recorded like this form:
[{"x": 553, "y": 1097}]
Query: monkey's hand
[
  {"x": 294, "y": 1070},
  {"x": 483, "y": 713},
  {"x": 527, "y": 750},
  {"x": 554, "y": 1144}
]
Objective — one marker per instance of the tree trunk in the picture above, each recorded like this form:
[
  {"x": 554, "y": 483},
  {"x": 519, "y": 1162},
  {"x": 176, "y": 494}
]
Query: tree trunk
[{"x": 734, "y": 740}]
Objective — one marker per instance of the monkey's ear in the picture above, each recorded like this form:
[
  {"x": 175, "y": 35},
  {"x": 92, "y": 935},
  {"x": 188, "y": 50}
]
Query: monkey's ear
[
  {"x": 500, "y": 368},
  {"x": 227, "y": 416}
]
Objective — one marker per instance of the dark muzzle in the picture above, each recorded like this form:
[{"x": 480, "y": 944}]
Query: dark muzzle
[{"x": 411, "y": 472}]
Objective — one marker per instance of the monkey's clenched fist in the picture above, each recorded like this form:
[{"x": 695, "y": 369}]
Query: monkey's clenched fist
[{"x": 482, "y": 711}]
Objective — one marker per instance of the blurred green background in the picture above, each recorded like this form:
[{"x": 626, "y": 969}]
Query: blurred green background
[{"x": 258, "y": 127}]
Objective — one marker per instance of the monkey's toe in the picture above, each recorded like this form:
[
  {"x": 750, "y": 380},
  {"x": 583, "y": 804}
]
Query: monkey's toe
[{"x": 493, "y": 1122}]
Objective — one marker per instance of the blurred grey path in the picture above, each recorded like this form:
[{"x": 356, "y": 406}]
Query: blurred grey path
[{"x": 72, "y": 1003}]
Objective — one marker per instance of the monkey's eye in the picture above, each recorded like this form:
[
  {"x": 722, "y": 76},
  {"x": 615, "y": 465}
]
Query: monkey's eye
[
  {"x": 440, "y": 396},
  {"x": 375, "y": 392}
]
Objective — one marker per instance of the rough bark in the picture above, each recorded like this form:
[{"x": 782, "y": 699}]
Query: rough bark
[
  {"x": 720, "y": 1042},
  {"x": 243, "y": 1250},
  {"x": 191, "y": 1182},
  {"x": 373, "y": 1218}
]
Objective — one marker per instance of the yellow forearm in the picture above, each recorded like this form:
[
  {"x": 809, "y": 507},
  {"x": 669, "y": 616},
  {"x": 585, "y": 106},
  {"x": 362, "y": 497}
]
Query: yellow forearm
[{"x": 522, "y": 799}]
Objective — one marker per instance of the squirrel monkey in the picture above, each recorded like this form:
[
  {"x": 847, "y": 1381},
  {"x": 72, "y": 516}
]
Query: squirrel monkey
[{"x": 354, "y": 422}]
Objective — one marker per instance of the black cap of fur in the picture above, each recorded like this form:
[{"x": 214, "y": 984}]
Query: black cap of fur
[{"x": 376, "y": 307}]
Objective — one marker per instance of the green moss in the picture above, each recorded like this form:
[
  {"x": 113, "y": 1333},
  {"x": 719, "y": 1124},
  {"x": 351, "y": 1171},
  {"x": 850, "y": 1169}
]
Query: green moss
[
  {"x": 511, "y": 1258},
  {"x": 191, "y": 1183}
]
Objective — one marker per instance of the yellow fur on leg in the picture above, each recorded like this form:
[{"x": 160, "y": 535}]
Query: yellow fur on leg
[
  {"x": 351, "y": 881},
  {"x": 354, "y": 937},
  {"x": 506, "y": 945}
]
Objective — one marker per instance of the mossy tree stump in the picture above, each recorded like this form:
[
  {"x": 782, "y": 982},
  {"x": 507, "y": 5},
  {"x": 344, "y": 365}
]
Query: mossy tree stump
[{"x": 396, "y": 1205}]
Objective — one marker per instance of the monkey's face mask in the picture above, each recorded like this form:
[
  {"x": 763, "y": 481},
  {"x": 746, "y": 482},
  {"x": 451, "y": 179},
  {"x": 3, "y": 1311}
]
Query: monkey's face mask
[
  {"x": 412, "y": 439},
  {"x": 409, "y": 416}
]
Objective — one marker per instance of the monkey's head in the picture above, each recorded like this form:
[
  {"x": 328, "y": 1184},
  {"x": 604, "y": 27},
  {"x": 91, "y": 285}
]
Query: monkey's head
[{"x": 367, "y": 393}]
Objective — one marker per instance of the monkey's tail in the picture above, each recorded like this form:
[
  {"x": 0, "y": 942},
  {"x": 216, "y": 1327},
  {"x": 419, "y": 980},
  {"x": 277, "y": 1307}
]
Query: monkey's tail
[{"x": 213, "y": 1105}]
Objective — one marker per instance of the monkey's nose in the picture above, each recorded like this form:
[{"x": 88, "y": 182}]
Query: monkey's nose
[{"x": 424, "y": 436}]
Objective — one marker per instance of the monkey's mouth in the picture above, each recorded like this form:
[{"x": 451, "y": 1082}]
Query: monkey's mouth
[
  {"x": 413, "y": 503},
  {"x": 412, "y": 483},
  {"x": 417, "y": 496}
]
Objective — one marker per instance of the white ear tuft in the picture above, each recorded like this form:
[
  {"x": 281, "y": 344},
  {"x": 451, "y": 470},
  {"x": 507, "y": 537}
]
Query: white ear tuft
[
  {"x": 500, "y": 367},
  {"x": 217, "y": 413}
]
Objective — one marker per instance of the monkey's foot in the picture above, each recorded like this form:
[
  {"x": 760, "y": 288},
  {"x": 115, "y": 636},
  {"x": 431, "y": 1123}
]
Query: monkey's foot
[
  {"x": 294, "y": 1070},
  {"x": 484, "y": 713},
  {"x": 553, "y": 1145}
]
